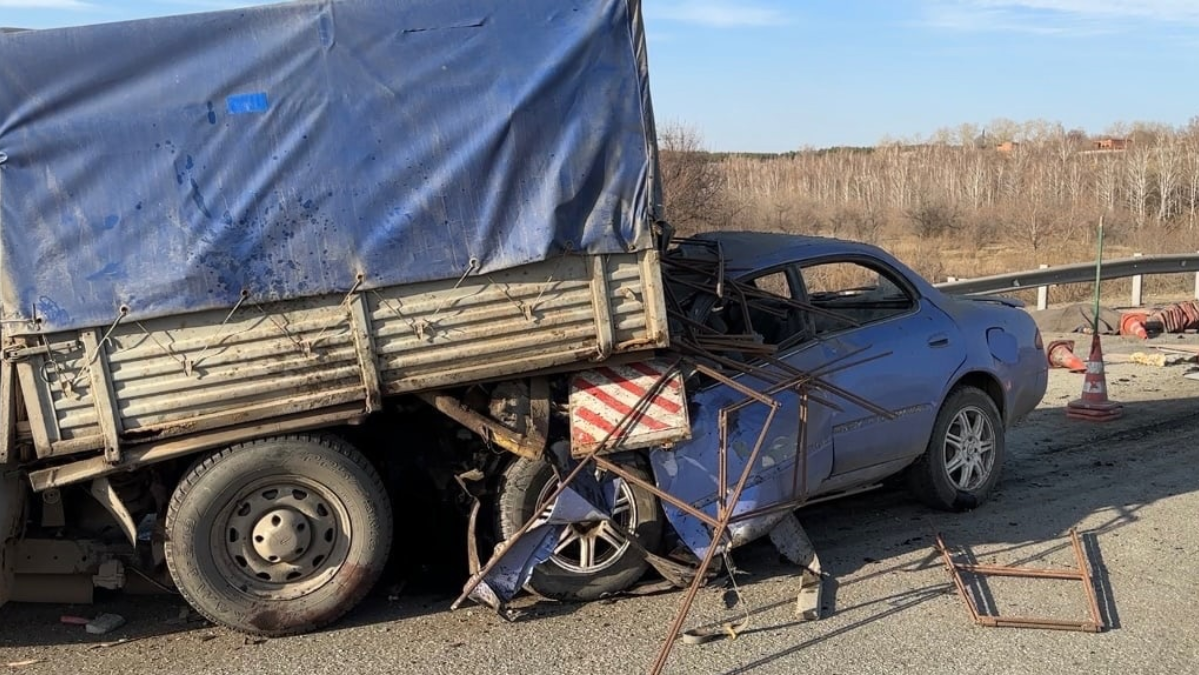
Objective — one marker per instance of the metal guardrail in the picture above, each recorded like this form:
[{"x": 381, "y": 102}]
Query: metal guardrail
[{"x": 1080, "y": 273}]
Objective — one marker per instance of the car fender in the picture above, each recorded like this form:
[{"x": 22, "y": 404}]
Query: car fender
[
  {"x": 1019, "y": 371},
  {"x": 1000, "y": 349}
]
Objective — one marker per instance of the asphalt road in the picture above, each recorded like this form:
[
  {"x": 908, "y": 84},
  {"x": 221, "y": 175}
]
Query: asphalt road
[{"x": 1131, "y": 487}]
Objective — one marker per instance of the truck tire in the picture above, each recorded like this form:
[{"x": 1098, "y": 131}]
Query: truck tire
[
  {"x": 965, "y": 453},
  {"x": 279, "y": 536},
  {"x": 593, "y": 560}
]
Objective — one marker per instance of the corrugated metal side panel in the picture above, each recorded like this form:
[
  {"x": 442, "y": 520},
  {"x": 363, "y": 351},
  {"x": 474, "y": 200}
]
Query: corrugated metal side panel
[
  {"x": 185, "y": 374},
  {"x": 487, "y": 326},
  {"x": 627, "y": 289},
  {"x": 61, "y": 380},
  {"x": 505, "y": 324},
  {"x": 196, "y": 372},
  {"x": 76, "y": 414}
]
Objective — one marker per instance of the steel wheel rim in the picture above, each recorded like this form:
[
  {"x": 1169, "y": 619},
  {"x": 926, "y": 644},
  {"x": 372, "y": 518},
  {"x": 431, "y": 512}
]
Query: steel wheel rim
[
  {"x": 968, "y": 456},
  {"x": 588, "y": 548},
  {"x": 281, "y": 538}
]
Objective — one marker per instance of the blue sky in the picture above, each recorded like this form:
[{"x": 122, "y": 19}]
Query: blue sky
[{"x": 776, "y": 75}]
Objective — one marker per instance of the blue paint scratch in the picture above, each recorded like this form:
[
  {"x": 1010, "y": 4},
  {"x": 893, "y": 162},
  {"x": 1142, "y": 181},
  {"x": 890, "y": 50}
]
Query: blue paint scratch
[{"x": 242, "y": 104}]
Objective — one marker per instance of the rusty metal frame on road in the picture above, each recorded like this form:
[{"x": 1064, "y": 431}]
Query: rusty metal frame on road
[
  {"x": 1081, "y": 573},
  {"x": 799, "y": 381},
  {"x": 779, "y": 377}
]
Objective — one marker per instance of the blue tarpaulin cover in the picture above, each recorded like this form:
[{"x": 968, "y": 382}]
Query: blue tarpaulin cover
[{"x": 169, "y": 164}]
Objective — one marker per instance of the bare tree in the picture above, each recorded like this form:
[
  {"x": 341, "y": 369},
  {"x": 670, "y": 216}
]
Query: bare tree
[
  {"x": 1169, "y": 176},
  {"x": 1002, "y": 129},
  {"x": 1137, "y": 170},
  {"x": 1109, "y": 181},
  {"x": 693, "y": 187},
  {"x": 1054, "y": 184},
  {"x": 1192, "y": 172}
]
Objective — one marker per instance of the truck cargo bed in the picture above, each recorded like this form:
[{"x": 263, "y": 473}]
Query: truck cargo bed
[{"x": 140, "y": 381}]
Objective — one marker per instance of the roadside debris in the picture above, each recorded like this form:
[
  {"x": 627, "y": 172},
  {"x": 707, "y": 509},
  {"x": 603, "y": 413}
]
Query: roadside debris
[
  {"x": 74, "y": 620},
  {"x": 186, "y": 615},
  {"x": 793, "y": 543},
  {"x": 1077, "y": 318},
  {"x": 740, "y": 506},
  {"x": 729, "y": 629},
  {"x": 1132, "y": 324},
  {"x": 23, "y": 664},
  {"x": 1094, "y": 405},
  {"x": 1158, "y": 360},
  {"x": 1081, "y": 318},
  {"x": 1061, "y": 355},
  {"x": 113, "y": 643},
  {"x": 104, "y": 624},
  {"x": 1192, "y": 350},
  {"x": 1081, "y": 573},
  {"x": 1176, "y": 318}
]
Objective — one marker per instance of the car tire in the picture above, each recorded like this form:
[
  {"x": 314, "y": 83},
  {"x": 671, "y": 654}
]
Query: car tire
[
  {"x": 567, "y": 575},
  {"x": 965, "y": 453},
  {"x": 279, "y": 536}
]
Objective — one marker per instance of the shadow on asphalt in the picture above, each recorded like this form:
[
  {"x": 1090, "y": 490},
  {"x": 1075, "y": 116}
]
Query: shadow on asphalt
[{"x": 1048, "y": 488}]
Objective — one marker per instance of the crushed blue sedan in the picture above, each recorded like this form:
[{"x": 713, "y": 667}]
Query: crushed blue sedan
[{"x": 901, "y": 381}]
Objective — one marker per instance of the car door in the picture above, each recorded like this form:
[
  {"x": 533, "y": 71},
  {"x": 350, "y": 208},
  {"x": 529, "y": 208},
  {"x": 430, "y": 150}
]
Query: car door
[
  {"x": 690, "y": 470},
  {"x": 910, "y": 348}
]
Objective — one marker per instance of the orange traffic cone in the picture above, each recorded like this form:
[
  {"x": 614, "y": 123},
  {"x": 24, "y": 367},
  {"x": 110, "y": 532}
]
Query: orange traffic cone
[
  {"x": 1094, "y": 405},
  {"x": 1061, "y": 355},
  {"x": 1133, "y": 324}
]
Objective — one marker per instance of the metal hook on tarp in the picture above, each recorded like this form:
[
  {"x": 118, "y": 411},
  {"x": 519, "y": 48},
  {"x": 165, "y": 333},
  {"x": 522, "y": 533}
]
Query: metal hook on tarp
[
  {"x": 308, "y": 345},
  {"x": 189, "y": 364},
  {"x": 424, "y": 328},
  {"x": 69, "y": 387}
]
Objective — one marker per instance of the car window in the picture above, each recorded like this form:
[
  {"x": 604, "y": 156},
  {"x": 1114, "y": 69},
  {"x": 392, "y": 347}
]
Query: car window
[
  {"x": 774, "y": 282},
  {"x": 770, "y": 315},
  {"x": 859, "y": 291}
]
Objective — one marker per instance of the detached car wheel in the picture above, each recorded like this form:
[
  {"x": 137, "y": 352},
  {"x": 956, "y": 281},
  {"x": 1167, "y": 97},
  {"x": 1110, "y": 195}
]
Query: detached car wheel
[
  {"x": 590, "y": 560},
  {"x": 279, "y": 536},
  {"x": 965, "y": 453}
]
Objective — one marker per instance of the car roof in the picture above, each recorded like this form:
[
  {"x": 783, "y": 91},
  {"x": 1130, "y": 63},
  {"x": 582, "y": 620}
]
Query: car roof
[
  {"x": 746, "y": 253},
  {"x": 750, "y": 251}
]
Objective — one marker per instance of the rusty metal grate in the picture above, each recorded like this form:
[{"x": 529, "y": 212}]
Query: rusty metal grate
[{"x": 1081, "y": 574}]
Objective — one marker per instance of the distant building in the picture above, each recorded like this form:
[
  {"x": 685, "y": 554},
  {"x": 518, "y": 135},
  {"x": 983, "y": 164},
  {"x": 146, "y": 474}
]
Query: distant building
[
  {"x": 1007, "y": 146},
  {"x": 1113, "y": 143}
]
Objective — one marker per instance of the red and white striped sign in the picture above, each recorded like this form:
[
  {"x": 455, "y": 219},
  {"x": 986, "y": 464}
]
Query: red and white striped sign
[{"x": 601, "y": 398}]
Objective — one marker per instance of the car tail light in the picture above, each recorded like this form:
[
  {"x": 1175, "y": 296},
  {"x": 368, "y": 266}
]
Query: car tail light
[{"x": 1039, "y": 341}]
